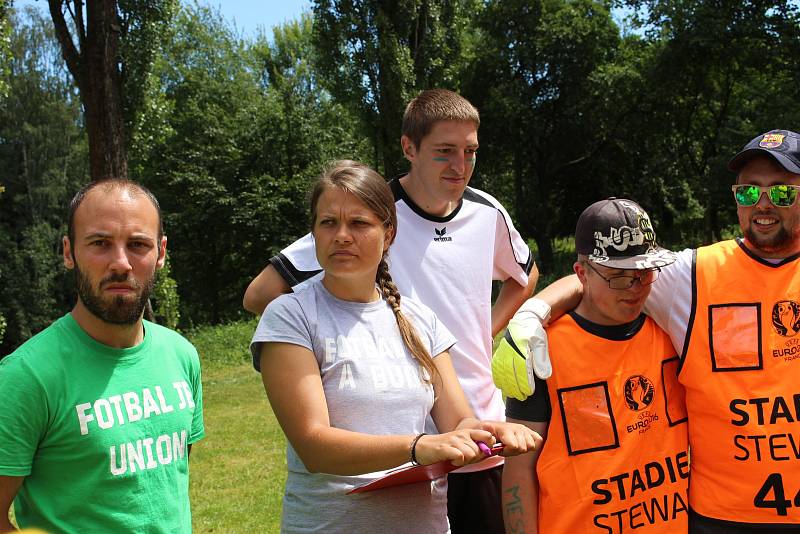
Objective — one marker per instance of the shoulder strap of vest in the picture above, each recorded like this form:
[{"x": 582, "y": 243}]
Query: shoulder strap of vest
[{"x": 692, "y": 313}]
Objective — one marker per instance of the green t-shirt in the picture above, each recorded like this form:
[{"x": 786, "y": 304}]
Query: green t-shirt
[{"x": 100, "y": 434}]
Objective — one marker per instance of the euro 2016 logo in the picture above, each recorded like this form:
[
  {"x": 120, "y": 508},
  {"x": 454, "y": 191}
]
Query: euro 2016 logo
[
  {"x": 786, "y": 318},
  {"x": 639, "y": 392}
]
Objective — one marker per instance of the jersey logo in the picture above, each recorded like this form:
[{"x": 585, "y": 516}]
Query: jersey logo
[
  {"x": 440, "y": 234},
  {"x": 786, "y": 318},
  {"x": 639, "y": 392}
]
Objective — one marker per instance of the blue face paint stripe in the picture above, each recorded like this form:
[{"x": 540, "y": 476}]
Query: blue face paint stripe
[{"x": 440, "y": 158}]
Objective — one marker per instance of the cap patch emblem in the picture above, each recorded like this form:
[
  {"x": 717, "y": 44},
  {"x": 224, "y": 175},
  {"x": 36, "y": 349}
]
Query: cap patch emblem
[
  {"x": 625, "y": 236},
  {"x": 771, "y": 140}
]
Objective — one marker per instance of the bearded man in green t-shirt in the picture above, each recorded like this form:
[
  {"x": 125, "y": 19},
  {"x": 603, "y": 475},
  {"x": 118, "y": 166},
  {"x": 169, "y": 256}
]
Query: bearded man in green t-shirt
[{"x": 100, "y": 409}]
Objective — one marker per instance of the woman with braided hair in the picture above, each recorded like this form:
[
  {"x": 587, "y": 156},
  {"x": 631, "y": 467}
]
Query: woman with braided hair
[{"x": 354, "y": 372}]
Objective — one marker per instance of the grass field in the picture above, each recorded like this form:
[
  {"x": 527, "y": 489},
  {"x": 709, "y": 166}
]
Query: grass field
[{"x": 238, "y": 470}]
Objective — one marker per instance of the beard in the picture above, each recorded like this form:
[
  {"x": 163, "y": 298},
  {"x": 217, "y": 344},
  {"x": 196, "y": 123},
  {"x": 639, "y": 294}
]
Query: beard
[
  {"x": 117, "y": 310},
  {"x": 783, "y": 240}
]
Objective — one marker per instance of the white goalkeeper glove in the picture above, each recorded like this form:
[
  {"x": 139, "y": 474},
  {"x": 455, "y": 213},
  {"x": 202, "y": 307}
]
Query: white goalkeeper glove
[{"x": 522, "y": 353}]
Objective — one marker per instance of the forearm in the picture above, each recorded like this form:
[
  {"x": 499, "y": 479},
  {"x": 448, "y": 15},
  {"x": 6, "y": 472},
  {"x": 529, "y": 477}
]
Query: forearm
[
  {"x": 562, "y": 295},
  {"x": 342, "y": 452},
  {"x": 264, "y": 288},
  {"x": 520, "y": 486},
  {"x": 9, "y": 486},
  {"x": 510, "y": 298},
  {"x": 520, "y": 496},
  {"x": 5, "y": 523}
]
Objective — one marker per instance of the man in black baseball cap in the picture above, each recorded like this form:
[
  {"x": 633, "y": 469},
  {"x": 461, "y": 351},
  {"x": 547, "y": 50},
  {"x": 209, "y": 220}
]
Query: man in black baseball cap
[
  {"x": 782, "y": 145},
  {"x": 732, "y": 310},
  {"x": 766, "y": 190},
  {"x": 612, "y": 402}
]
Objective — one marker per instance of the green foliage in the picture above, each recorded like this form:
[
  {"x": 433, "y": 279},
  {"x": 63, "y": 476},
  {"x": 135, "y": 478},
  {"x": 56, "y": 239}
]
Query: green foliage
[
  {"x": 3, "y": 322},
  {"x": 229, "y": 147},
  {"x": 714, "y": 78},
  {"x": 228, "y": 132},
  {"x": 564, "y": 257},
  {"x": 108, "y": 48},
  {"x": 374, "y": 56},
  {"x": 145, "y": 26},
  {"x": 5, "y": 50},
  {"x": 550, "y": 109},
  {"x": 32, "y": 274},
  {"x": 166, "y": 306},
  {"x": 223, "y": 345},
  {"x": 42, "y": 163}
]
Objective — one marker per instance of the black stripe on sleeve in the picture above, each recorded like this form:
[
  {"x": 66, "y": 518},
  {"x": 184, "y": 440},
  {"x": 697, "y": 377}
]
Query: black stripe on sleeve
[
  {"x": 528, "y": 266},
  {"x": 289, "y": 272},
  {"x": 472, "y": 196}
]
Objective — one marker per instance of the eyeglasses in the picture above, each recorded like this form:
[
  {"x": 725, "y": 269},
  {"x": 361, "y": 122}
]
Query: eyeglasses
[
  {"x": 782, "y": 196},
  {"x": 645, "y": 278}
]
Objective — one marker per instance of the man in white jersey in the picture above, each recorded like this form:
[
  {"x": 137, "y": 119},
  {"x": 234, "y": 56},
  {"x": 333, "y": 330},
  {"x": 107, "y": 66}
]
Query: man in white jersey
[
  {"x": 452, "y": 242},
  {"x": 732, "y": 309}
]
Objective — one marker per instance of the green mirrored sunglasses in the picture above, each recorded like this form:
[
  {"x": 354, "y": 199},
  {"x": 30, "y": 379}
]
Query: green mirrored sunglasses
[{"x": 782, "y": 195}]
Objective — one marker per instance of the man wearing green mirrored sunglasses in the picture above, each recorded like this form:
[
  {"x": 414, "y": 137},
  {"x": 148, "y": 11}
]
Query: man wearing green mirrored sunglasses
[
  {"x": 732, "y": 309},
  {"x": 766, "y": 194}
]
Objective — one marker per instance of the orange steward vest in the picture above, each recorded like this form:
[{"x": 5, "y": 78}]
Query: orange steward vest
[
  {"x": 615, "y": 459},
  {"x": 741, "y": 371}
]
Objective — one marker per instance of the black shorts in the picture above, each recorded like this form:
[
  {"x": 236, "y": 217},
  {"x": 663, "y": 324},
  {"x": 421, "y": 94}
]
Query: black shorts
[
  {"x": 473, "y": 502},
  {"x": 699, "y": 524}
]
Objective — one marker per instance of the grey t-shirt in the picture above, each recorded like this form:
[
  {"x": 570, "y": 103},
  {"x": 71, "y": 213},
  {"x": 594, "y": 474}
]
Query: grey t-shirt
[{"x": 372, "y": 385}]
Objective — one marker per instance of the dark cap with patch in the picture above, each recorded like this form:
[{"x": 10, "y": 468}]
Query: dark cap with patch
[
  {"x": 782, "y": 145},
  {"x": 618, "y": 233}
]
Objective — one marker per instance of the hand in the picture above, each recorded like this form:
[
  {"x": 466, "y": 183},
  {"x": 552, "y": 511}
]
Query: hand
[
  {"x": 523, "y": 352},
  {"x": 516, "y": 438},
  {"x": 458, "y": 446}
]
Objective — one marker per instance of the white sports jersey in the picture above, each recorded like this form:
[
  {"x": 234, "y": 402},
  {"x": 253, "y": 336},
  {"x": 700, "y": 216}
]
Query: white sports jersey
[
  {"x": 448, "y": 263},
  {"x": 670, "y": 299}
]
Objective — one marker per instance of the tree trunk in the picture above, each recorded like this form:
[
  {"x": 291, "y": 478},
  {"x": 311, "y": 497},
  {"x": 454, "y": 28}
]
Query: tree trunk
[
  {"x": 95, "y": 65},
  {"x": 101, "y": 92},
  {"x": 545, "y": 246}
]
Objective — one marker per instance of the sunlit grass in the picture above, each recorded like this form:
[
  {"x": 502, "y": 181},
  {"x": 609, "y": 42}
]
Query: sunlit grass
[{"x": 239, "y": 469}]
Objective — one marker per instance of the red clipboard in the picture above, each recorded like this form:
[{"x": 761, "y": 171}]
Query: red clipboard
[{"x": 409, "y": 474}]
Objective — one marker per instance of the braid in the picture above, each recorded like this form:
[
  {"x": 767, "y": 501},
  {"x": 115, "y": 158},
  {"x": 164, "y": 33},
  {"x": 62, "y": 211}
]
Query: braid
[
  {"x": 409, "y": 334},
  {"x": 387, "y": 287}
]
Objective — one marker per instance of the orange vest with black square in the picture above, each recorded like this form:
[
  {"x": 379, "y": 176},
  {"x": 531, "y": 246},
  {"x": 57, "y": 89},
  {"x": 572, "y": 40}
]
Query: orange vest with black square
[
  {"x": 615, "y": 458},
  {"x": 741, "y": 371}
]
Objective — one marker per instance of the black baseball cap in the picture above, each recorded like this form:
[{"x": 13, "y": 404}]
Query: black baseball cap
[
  {"x": 617, "y": 233},
  {"x": 782, "y": 145}
]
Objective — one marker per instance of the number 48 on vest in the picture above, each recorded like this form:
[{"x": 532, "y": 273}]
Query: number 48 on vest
[{"x": 774, "y": 483}]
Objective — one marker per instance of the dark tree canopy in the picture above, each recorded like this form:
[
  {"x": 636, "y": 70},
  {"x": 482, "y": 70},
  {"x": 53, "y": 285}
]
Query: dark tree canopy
[
  {"x": 229, "y": 130},
  {"x": 374, "y": 56}
]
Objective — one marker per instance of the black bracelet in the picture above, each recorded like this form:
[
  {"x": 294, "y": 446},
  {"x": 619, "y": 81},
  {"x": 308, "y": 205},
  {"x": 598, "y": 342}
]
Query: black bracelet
[{"x": 414, "y": 449}]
